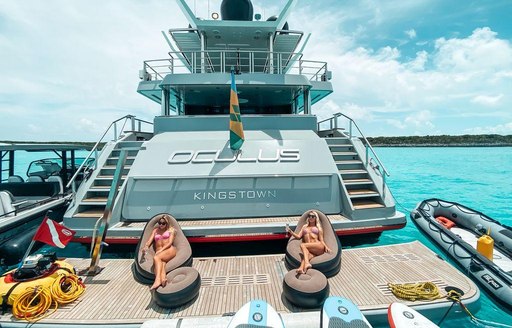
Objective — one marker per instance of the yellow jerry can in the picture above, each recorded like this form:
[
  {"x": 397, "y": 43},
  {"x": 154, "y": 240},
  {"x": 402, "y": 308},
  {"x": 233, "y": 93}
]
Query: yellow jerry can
[{"x": 485, "y": 246}]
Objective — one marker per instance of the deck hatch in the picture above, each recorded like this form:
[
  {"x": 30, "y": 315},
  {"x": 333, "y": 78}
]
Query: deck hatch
[
  {"x": 389, "y": 258},
  {"x": 244, "y": 279}
]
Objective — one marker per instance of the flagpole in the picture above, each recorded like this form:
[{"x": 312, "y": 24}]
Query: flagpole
[{"x": 27, "y": 253}]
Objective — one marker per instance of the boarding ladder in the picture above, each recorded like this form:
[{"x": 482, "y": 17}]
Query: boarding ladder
[
  {"x": 354, "y": 164},
  {"x": 93, "y": 203}
]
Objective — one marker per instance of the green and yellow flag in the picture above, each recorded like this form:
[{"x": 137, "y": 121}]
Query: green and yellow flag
[{"x": 236, "y": 128}]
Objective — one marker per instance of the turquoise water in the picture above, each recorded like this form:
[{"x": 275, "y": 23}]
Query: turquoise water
[
  {"x": 22, "y": 160},
  {"x": 479, "y": 178}
]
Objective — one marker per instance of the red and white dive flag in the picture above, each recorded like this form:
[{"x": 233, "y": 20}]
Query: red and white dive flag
[{"x": 52, "y": 233}]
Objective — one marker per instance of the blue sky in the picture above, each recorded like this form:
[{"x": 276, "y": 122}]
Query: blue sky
[{"x": 420, "y": 67}]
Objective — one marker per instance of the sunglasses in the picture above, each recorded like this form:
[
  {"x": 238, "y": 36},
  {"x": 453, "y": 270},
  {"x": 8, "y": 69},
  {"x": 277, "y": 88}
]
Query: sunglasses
[
  {"x": 162, "y": 223},
  {"x": 311, "y": 216}
]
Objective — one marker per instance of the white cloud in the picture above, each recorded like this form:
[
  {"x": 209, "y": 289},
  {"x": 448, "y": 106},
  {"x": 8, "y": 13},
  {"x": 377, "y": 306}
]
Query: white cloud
[
  {"x": 420, "y": 119},
  {"x": 418, "y": 63},
  {"x": 504, "y": 129},
  {"x": 503, "y": 75},
  {"x": 329, "y": 107},
  {"x": 487, "y": 100},
  {"x": 396, "y": 123},
  {"x": 411, "y": 33},
  {"x": 387, "y": 54},
  {"x": 428, "y": 92},
  {"x": 83, "y": 62},
  {"x": 80, "y": 68},
  {"x": 482, "y": 50}
]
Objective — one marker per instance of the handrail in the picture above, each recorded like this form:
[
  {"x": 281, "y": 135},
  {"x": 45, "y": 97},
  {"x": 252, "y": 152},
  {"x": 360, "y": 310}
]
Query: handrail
[
  {"x": 116, "y": 137},
  {"x": 334, "y": 125},
  {"x": 100, "y": 231},
  {"x": 221, "y": 61}
]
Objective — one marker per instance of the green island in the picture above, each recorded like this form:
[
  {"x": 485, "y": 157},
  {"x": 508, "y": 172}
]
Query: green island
[
  {"x": 78, "y": 143},
  {"x": 467, "y": 140}
]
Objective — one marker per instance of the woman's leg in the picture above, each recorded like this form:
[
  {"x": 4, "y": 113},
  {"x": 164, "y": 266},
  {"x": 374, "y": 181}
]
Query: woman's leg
[
  {"x": 312, "y": 250},
  {"x": 305, "y": 257},
  {"x": 307, "y": 264},
  {"x": 301, "y": 267},
  {"x": 158, "y": 271},
  {"x": 163, "y": 275},
  {"x": 165, "y": 257}
]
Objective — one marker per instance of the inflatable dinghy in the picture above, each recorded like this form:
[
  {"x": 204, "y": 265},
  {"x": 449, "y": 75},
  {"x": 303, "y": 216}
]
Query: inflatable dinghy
[{"x": 479, "y": 244}]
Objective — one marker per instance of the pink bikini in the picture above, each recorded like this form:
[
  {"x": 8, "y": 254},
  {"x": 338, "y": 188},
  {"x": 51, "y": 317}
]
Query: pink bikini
[
  {"x": 312, "y": 230},
  {"x": 165, "y": 235}
]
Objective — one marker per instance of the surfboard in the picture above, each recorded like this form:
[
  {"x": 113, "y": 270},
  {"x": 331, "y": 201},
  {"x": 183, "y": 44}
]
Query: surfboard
[
  {"x": 341, "y": 312},
  {"x": 256, "y": 313},
  {"x": 400, "y": 315}
]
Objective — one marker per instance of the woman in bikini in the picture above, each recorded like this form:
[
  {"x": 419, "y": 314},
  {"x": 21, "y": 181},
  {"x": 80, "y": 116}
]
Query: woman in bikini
[
  {"x": 163, "y": 238},
  {"x": 313, "y": 243}
]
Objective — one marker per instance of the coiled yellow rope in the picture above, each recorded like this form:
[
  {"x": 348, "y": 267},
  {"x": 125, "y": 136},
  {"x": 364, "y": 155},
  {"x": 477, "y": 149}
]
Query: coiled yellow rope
[
  {"x": 33, "y": 304},
  {"x": 66, "y": 289},
  {"x": 425, "y": 291}
]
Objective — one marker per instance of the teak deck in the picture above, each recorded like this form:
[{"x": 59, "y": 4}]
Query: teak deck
[{"x": 114, "y": 296}]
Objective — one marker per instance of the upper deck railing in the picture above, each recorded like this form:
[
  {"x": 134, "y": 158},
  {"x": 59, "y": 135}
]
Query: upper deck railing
[{"x": 244, "y": 61}]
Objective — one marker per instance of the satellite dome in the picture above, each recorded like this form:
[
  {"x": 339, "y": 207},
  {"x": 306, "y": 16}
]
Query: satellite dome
[
  {"x": 274, "y": 18},
  {"x": 240, "y": 10}
]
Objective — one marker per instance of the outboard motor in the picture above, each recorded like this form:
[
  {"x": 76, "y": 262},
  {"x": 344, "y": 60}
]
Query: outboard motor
[{"x": 239, "y": 10}]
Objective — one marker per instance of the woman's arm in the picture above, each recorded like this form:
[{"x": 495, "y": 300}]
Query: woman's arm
[
  {"x": 150, "y": 240},
  {"x": 295, "y": 235},
  {"x": 321, "y": 238}
]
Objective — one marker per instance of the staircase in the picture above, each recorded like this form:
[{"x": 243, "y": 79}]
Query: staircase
[
  {"x": 93, "y": 203},
  {"x": 361, "y": 189}
]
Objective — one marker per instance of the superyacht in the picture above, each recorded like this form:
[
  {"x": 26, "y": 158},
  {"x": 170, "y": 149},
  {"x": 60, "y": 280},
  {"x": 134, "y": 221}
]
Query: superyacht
[{"x": 182, "y": 163}]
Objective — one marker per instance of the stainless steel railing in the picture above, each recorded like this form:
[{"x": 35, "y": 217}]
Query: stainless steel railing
[
  {"x": 371, "y": 156},
  {"x": 244, "y": 61},
  {"x": 136, "y": 126}
]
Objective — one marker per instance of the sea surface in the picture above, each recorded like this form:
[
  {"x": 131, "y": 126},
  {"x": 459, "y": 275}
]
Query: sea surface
[{"x": 478, "y": 177}]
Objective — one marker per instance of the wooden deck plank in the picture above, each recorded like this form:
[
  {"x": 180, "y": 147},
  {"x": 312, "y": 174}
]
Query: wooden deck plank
[{"x": 114, "y": 296}]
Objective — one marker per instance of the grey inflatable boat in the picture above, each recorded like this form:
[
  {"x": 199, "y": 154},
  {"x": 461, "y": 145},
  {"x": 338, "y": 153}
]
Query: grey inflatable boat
[{"x": 457, "y": 229}]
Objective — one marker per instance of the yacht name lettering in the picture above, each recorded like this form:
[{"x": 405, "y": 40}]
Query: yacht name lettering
[
  {"x": 215, "y": 156},
  {"x": 239, "y": 194}
]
